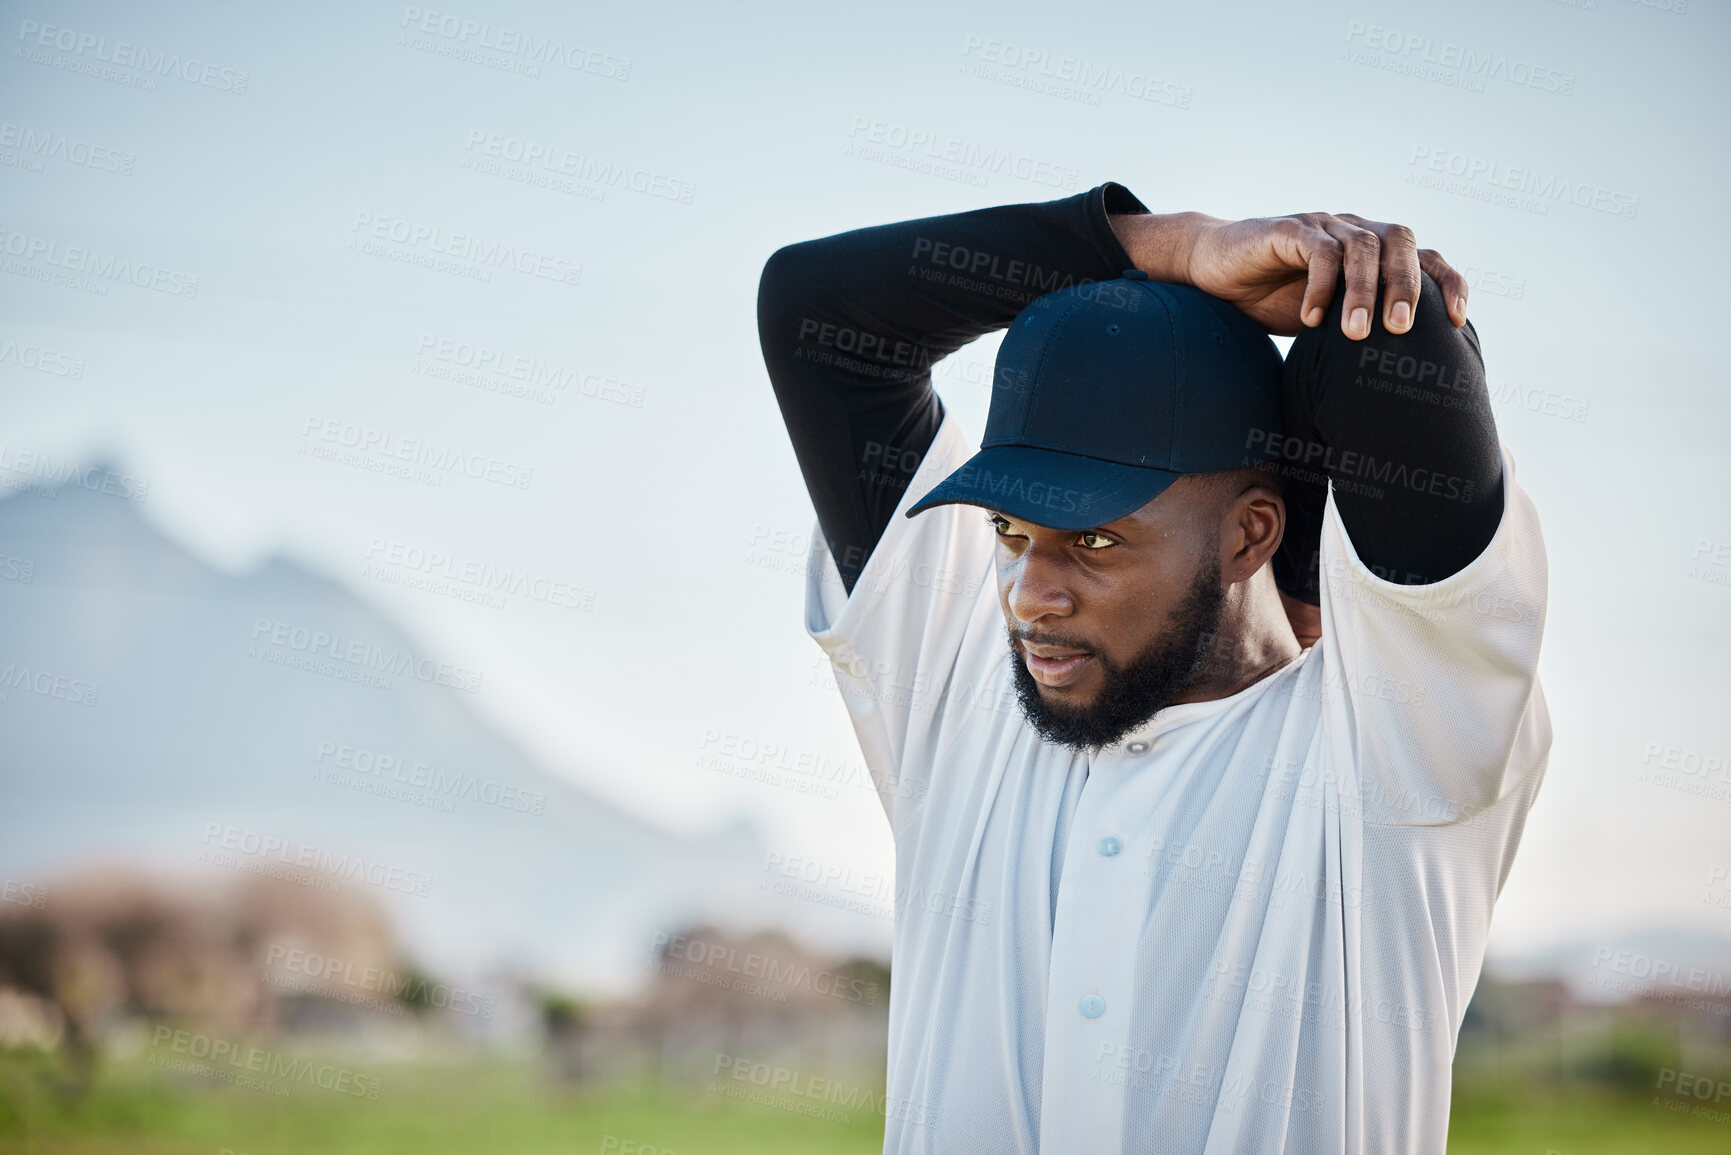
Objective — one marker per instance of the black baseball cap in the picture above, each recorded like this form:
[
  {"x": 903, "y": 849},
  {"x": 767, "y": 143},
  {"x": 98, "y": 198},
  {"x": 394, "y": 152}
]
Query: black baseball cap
[{"x": 1106, "y": 393}]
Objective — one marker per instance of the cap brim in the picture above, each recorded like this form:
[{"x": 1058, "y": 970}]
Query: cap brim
[{"x": 1049, "y": 488}]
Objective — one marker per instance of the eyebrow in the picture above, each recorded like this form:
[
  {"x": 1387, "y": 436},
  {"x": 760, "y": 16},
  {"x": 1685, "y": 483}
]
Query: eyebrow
[{"x": 990, "y": 513}]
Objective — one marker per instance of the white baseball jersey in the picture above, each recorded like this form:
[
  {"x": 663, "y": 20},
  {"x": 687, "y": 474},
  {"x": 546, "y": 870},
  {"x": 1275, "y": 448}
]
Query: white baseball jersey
[{"x": 1251, "y": 926}]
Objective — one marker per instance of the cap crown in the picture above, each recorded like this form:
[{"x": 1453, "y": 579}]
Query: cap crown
[{"x": 1137, "y": 372}]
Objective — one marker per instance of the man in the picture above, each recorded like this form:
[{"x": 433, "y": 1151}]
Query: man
[{"x": 1203, "y": 859}]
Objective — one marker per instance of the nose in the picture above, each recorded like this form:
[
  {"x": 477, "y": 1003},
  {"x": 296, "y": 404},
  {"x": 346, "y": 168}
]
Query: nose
[{"x": 1034, "y": 587}]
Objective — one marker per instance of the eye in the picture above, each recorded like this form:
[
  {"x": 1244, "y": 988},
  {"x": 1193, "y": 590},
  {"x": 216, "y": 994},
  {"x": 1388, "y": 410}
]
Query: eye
[
  {"x": 1002, "y": 525},
  {"x": 1092, "y": 539}
]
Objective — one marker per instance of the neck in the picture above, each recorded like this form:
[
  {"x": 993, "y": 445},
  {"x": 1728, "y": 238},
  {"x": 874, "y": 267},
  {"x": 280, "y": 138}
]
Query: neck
[{"x": 1254, "y": 639}]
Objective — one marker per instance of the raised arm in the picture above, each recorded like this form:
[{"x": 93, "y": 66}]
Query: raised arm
[
  {"x": 1384, "y": 390},
  {"x": 1401, "y": 423},
  {"x": 851, "y": 324}
]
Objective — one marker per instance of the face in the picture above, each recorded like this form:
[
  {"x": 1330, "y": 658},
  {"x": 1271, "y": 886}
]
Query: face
[{"x": 1108, "y": 626}]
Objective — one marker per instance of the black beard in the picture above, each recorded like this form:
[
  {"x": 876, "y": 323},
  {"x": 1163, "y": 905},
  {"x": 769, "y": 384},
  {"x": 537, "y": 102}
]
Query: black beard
[{"x": 1134, "y": 693}]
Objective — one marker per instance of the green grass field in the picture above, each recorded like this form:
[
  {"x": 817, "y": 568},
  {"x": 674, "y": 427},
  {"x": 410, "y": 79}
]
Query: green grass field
[
  {"x": 508, "y": 1109},
  {"x": 1492, "y": 1119},
  {"x": 496, "y": 1109}
]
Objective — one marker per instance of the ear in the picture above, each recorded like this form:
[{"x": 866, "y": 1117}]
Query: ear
[{"x": 1254, "y": 523}]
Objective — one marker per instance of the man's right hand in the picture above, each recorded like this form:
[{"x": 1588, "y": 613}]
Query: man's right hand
[{"x": 1281, "y": 271}]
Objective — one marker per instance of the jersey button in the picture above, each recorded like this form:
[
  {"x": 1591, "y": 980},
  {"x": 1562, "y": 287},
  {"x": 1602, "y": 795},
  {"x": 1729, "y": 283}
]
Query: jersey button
[
  {"x": 1110, "y": 845},
  {"x": 1137, "y": 747},
  {"x": 1093, "y": 1007}
]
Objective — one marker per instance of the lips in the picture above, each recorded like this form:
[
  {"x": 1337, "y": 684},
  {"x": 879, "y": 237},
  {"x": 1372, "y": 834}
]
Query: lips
[{"x": 1055, "y": 666}]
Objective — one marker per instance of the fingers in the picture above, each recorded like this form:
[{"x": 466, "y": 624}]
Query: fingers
[
  {"x": 1452, "y": 284},
  {"x": 1400, "y": 278},
  {"x": 1363, "y": 252},
  {"x": 1366, "y": 254},
  {"x": 1322, "y": 256}
]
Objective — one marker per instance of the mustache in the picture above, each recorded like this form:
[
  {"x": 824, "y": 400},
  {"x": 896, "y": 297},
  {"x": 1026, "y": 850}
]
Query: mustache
[{"x": 1058, "y": 641}]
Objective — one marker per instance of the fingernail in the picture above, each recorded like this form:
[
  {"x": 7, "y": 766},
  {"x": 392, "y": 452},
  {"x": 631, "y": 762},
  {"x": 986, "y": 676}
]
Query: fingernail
[
  {"x": 1359, "y": 325},
  {"x": 1400, "y": 316},
  {"x": 1460, "y": 306},
  {"x": 1314, "y": 317}
]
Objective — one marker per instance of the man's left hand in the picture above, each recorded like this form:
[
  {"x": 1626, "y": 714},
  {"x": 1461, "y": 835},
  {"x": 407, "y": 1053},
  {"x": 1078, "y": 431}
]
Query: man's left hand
[{"x": 1281, "y": 271}]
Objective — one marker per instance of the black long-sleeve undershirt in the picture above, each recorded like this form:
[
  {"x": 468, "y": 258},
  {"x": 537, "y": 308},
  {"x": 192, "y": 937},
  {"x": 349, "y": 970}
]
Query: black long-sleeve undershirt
[
  {"x": 1402, "y": 425},
  {"x": 851, "y": 324}
]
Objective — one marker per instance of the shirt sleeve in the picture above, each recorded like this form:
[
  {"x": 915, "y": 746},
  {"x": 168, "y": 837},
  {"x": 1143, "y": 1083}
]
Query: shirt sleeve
[
  {"x": 1437, "y": 684},
  {"x": 850, "y": 326},
  {"x": 1398, "y": 430},
  {"x": 914, "y": 646}
]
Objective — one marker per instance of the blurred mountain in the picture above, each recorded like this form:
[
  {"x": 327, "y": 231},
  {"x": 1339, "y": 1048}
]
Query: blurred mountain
[{"x": 156, "y": 711}]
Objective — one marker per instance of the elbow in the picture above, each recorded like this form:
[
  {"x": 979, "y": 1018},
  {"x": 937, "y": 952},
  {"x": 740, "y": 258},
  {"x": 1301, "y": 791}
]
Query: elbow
[
  {"x": 787, "y": 276},
  {"x": 785, "y": 293}
]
